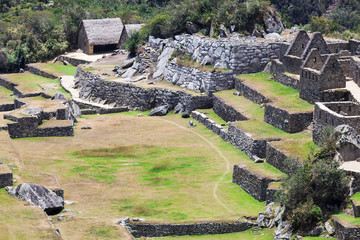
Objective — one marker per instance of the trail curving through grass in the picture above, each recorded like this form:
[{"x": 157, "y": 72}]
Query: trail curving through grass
[{"x": 220, "y": 154}]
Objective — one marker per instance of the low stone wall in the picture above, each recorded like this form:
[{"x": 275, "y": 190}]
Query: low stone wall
[
  {"x": 197, "y": 80},
  {"x": 288, "y": 122},
  {"x": 73, "y": 61},
  {"x": 7, "y": 107},
  {"x": 356, "y": 209},
  {"x": 250, "y": 93},
  {"x": 326, "y": 115},
  {"x": 167, "y": 229},
  {"x": 7, "y": 84},
  {"x": 6, "y": 176},
  {"x": 226, "y": 112},
  {"x": 28, "y": 127},
  {"x": 91, "y": 86},
  {"x": 277, "y": 158},
  {"x": 252, "y": 183},
  {"x": 337, "y": 47},
  {"x": 39, "y": 72},
  {"x": 344, "y": 232},
  {"x": 332, "y": 95},
  {"x": 216, "y": 128},
  {"x": 246, "y": 143},
  {"x": 277, "y": 68},
  {"x": 271, "y": 195}
]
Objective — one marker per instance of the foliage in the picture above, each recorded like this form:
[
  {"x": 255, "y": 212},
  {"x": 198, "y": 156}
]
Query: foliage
[
  {"x": 132, "y": 42},
  {"x": 316, "y": 189}
]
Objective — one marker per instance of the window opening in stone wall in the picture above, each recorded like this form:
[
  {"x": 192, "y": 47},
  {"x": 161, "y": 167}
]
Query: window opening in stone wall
[
  {"x": 302, "y": 46},
  {"x": 315, "y": 59},
  {"x": 349, "y": 110}
]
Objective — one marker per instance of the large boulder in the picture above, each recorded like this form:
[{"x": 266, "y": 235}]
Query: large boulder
[
  {"x": 162, "y": 61},
  {"x": 348, "y": 142},
  {"x": 192, "y": 27},
  {"x": 4, "y": 64},
  {"x": 272, "y": 22},
  {"x": 32, "y": 111},
  {"x": 160, "y": 111},
  {"x": 39, "y": 196}
]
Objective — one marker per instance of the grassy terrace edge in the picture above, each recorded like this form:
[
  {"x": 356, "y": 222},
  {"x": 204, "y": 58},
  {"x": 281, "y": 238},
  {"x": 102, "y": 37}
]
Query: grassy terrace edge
[{"x": 283, "y": 97}]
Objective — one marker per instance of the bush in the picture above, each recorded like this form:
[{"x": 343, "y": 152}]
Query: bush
[
  {"x": 316, "y": 189},
  {"x": 132, "y": 43}
]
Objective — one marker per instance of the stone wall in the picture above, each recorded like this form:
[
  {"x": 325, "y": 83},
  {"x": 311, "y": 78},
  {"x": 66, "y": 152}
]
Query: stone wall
[
  {"x": 167, "y": 229},
  {"x": 277, "y": 158},
  {"x": 288, "y": 122},
  {"x": 355, "y": 69},
  {"x": 91, "y": 86},
  {"x": 29, "y": 127},
  {"x": 337, "y": 47},
  {"x": 239, "y": 57},
  {"x": 226, "y": 112},
  {"x": 73, "y": 61},
  {"x": 277, "y": 68},
  {"x": 252, "y": 183},
  {"x": 197, "y": 80},
  {"x": 7, "y": 107},
  {"x": 356, "y": 208},
  {"x": 6, "y": 176},
  {"x": 246, "y": 143},
  {"x": 39, "y": 72},
  {"x": 7, "y": 84},
  {"x": 353, "y": 46},
  {"x": 213, "y": 126},
  {"x": 333, "y": 114},
  {"x": 345, "y": 231},
  {"x": 250, "y": 93}
]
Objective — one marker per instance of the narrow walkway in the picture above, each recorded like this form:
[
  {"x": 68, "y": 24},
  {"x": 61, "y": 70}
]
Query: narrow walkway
[
  {"x": 354, "y": 89},
  {"x": 68, "y": 83}
]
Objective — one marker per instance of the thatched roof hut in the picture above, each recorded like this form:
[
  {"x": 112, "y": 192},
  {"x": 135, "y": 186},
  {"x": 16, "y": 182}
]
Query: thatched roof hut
[{"x": 100, "y": 34}]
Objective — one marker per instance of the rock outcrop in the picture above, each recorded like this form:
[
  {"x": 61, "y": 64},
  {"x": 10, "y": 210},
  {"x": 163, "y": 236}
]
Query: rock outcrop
[{"x": 39, "y": 196}]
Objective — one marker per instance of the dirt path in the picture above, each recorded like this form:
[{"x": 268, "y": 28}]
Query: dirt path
[
  {"x": 354, "y": 89},
  {"x": 220, "y": 154}
]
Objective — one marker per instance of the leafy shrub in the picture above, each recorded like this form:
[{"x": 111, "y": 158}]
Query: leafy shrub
[{"x": 316, "y": 189}]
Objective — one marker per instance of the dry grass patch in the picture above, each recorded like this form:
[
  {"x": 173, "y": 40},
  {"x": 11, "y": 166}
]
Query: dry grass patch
[{"x": 150, "y": 167}]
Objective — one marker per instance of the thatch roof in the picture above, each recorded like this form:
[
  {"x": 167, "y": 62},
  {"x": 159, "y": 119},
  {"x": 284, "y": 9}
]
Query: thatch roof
[
  {"x": 103, "y": 31},
  {"x": 133, "y": 28}
]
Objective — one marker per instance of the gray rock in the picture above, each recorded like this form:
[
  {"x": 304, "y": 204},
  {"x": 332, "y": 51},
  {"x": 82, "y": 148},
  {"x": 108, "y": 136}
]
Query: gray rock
[
  {"x": 206, "y": 60},
  {"x": 59, "y": 96},
  {"x": 273, "y": 36},
  {"x": 267, "y": 68},
  {"x": 283, "y": 231},
  {"x": 348, "y": 143},
  {"x": 21, "y": 70},
  {"x": 294, "y": 30},
  {"x": 256, "y": 33},
  {"x": 272, "y": 22},
  {"x": 221, "y": 64},
  {"x": 160, "y": 111},
  {"x": 32, "y": 111},
  {"x": 316, "y": 231},
  {"x": 261, "y": 220},
  {"x": 162, "y": 60},
  {"x": 39, "y": 196},
  {"x": 60, "y": 217},
  {"x": 329, "y": 228},
  {"x": 279, "y": 215},
  {"x": 191, "y": 27},
  {"x": 222, "y": 31},
  {"x": 269, "y": 212},
  {"x": 179, "y": 108},
  {"x": 126, "y": 63}
]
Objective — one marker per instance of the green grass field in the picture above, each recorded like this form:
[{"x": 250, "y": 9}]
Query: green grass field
[
  {"x": 30, "y": 83},
  {"x": 256, "y": 125},
  {"x": 350, "y": 220},
  {"x": 57, "y": 69},
  {"x": 300, "y": 148},
  {"x": 284, "y": 97}
]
